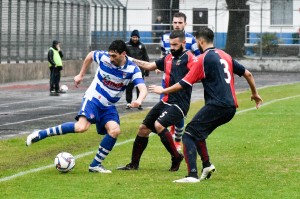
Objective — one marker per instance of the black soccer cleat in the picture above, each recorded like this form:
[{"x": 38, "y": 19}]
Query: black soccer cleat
[
  {"x": 129, "y": 166},
  {"x": 176, "y": 163}
]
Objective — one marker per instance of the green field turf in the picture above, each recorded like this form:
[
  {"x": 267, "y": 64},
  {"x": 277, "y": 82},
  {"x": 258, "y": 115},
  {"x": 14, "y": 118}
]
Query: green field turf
[{"x": 256, "y": 155}]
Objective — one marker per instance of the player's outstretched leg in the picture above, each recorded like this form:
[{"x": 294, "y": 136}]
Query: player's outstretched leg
[{"x": 52, "y": 131}]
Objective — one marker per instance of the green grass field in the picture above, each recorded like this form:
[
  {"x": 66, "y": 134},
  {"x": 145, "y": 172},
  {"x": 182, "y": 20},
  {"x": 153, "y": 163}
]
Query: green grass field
[{"x": 257, "y": 155}]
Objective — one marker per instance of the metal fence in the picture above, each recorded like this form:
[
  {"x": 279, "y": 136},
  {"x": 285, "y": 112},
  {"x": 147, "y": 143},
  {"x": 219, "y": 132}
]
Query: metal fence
[{"x": 28, "y": 28}]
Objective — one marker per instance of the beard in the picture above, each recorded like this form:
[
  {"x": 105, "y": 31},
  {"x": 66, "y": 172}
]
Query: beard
[
  {"x": 177, "y": 52},
  {"x": 200, "y": 49}
]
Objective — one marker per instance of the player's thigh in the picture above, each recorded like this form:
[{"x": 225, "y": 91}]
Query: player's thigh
[
  {"x": 152, "y": 116},
  {"x": 170, "y": 116},
  {"x": 82, "y": 125},
  {"x": 208, "y": 119}
]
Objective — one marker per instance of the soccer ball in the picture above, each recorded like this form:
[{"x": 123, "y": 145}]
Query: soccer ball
[
  {"x": 64, "y": 162},
  {"x": 64, "y": 88}
]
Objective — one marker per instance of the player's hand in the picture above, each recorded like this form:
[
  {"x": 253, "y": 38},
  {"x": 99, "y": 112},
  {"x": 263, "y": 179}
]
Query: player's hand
[
  {"x": 156, "y": 89},
  {"x": 258, "y": 100},
  {"x": 157, "y": 71},
  {"x": 77, "y": 80},
  {"x": 135, "y": 104}
]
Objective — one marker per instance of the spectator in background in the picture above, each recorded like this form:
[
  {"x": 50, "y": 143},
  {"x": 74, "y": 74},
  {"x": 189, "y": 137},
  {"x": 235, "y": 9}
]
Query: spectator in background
[
  {"x": 135, "y": 49},
  {"x": 55, "y": 56},
  {"x": 158, "y": 30}
]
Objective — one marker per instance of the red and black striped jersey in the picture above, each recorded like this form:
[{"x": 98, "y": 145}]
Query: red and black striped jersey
[{"x": 175, "y": 68}]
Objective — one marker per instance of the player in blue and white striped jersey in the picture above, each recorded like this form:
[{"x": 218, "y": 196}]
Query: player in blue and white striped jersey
[
  {"x": 114, "y": 73},
  {"x": 179, "y": 23}
]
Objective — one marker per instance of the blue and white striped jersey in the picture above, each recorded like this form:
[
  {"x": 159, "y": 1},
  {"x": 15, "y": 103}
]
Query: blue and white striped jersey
[
  {"x": 191, "y": 44},
  {"x": 110, "y": 81}
]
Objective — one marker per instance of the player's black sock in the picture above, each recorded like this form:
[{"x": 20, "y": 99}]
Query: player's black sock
[
  {"x": 202, "y": 151},
  {"x": 167, "y": 140},
  {"x": 190, "y": 154},
  {"x": 139, "y": 145}
]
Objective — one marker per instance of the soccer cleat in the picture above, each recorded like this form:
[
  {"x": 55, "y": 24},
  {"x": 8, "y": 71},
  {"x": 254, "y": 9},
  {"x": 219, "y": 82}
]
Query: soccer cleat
[
  {"x": 177, "y": 145},
  {"x": 54, "y": 93},
  {"x": 176, "y": 163},
  {"x": 140, "y": 107},
  {"x": 206, "y": 172},
  {"x": 128, "y": 106},
  {"x": 129, "y": 166},
  {"x": 98, "y": 169},
  {"x": 187, "y": 180},
  {"x": 32, "y": 138}
]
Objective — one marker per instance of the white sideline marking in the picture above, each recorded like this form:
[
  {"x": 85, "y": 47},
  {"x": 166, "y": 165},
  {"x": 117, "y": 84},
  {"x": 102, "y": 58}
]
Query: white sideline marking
[
  {"x": 124, "y": 142},
  {"x": 52, "y": 165}
]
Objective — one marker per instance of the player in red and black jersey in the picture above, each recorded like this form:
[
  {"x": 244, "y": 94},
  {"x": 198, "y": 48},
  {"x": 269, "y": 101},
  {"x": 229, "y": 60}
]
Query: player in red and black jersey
[
  {"x": 216, "y": 70},
  {"x": 172, "y": 108}
]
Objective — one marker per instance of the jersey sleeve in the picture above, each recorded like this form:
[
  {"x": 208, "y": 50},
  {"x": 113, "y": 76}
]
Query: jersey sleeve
[
  {"x": 97, "y": 56},
  {"x": 195, "y": 74},
  {"x": 238, "y": 68},
  {"x": 137, "y": 77},
  {"x": 160, "y": 63}
]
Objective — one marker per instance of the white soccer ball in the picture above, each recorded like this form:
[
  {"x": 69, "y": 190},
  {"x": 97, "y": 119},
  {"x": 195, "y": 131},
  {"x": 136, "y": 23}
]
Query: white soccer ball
[
  {"x": 64, "y": 88},
  {"x": 64, "y": 162}
]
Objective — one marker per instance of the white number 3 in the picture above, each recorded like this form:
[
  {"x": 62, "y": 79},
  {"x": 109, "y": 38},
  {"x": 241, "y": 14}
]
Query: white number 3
[{"x": 226, "y": 70}]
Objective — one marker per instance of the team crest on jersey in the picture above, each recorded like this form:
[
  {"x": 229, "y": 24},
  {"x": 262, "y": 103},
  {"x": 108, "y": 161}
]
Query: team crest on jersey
[
  {"x": 178, "y": 62},
  {"x": 140, "y": 46},
  {"x": 124, "y": 74},
  {"x": 92, "y": 116}
]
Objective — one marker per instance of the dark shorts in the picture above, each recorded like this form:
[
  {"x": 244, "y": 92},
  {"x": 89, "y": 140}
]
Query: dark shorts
[
  {"x": 97, "y": 115},
  {"x": 208, "y": 119},
  {"x": 165, "y": 114}
]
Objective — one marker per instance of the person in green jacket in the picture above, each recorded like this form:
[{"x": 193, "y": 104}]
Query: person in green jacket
[{"x": 55, "y": 56}]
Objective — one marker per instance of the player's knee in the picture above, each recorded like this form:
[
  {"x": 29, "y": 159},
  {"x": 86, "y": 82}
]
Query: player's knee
[
  {"x": 81, "y": 129},
  {"x": 115, "y": 132},
  {"x": 144, "y": 131}
]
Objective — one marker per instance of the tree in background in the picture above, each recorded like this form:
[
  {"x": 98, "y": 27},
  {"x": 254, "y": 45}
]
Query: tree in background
[{"x": 238, "y": 19}]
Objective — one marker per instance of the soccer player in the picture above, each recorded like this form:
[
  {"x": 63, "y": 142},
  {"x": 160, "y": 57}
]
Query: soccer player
[
  {"x": 215, "y": 69},
  {"x": 114, "y": 73},
  {"x": 171, "y": 109},
  {"x": 179, "y": 23}
]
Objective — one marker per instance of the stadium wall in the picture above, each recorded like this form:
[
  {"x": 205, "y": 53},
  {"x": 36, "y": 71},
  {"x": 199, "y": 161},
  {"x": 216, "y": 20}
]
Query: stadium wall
[{"x": 34, "y": 71}]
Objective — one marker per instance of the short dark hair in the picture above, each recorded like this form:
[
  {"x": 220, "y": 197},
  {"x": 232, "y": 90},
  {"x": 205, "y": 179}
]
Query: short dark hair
[
  {"x": 206, "y": 33},
  {"x": 177, "y": 34},
  {"x": 180, "y": 14},
  {"x": 118, "y": 46}
]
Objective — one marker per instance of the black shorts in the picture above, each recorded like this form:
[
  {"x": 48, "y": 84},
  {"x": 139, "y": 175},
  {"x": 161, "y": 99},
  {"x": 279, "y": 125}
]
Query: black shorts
[
  {"x": 165, "y": 114},
  {"x": 208, "y": 119}
]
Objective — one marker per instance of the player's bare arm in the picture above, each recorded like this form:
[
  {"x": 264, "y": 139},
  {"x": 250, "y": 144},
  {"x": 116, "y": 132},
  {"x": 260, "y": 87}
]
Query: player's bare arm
[
  {"x": 160, "y": 90},
  {"x": 254, "y": 94},
  {"x": 143, "y": 93},
  {"x": 145, "y": 65},
  {"x": 87, "y": 62}
]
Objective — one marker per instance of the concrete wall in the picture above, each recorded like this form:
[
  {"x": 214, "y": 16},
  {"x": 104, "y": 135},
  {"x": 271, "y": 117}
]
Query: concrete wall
[
  {"x": 34, "y": 71},
  {"x": 272, "y": 64}
]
